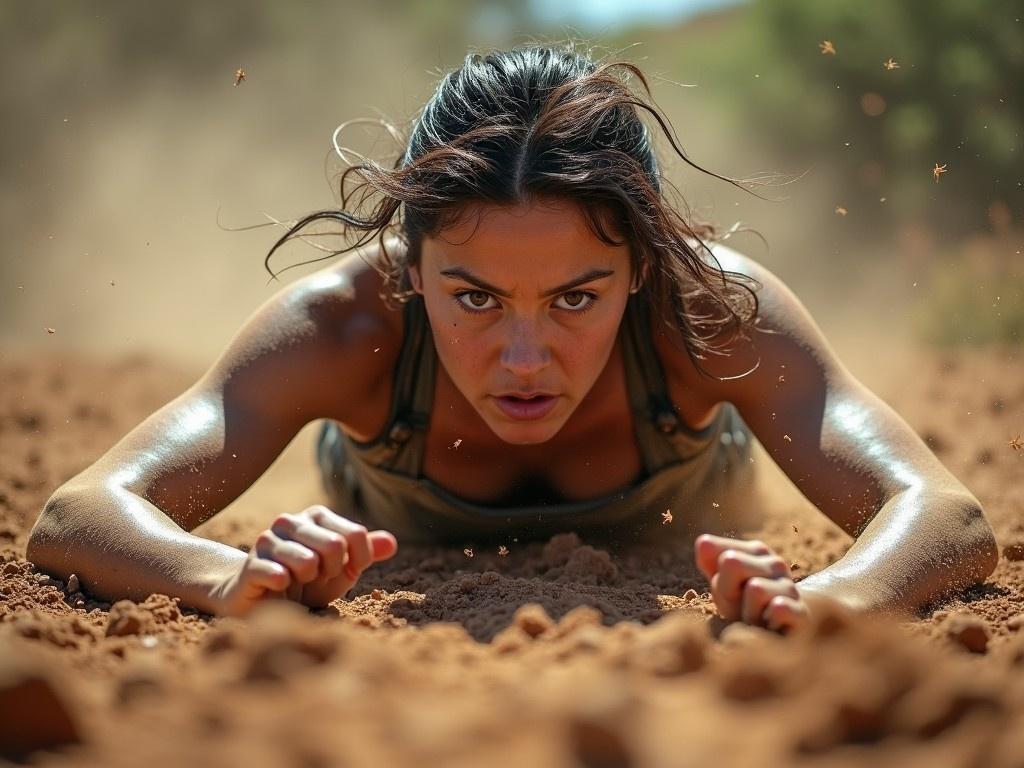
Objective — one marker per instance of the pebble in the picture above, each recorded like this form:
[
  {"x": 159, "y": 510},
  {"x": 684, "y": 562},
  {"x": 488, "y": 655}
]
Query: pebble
[{"x": 73, "y": 584}]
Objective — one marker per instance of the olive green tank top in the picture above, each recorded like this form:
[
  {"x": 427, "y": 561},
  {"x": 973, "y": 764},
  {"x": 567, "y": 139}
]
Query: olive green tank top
[{"x": 380, "y": 482}]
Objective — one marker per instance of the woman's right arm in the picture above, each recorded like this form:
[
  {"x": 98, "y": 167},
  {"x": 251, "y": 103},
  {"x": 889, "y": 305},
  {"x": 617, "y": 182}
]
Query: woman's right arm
[{"x": 122, "y": 525}]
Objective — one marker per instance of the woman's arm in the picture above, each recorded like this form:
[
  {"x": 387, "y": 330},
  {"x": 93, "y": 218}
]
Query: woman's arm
[
  {"x": 919, "y": 532},
  {"x": 122, "y": 524}
]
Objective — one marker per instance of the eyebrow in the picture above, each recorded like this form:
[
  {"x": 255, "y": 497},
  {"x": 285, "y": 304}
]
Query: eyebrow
[{"x": 461, "y": 273}]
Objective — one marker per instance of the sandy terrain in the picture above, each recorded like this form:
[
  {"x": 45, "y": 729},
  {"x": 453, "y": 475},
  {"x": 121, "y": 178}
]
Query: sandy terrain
[{"x": 560, "y": 653}]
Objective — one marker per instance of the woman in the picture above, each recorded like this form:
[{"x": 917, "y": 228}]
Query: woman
[{"x": 570, "y": 354}]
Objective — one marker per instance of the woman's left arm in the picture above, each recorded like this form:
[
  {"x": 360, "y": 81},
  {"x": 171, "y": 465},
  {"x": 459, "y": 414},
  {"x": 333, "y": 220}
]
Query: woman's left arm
[{"x": 919, "y": 532}]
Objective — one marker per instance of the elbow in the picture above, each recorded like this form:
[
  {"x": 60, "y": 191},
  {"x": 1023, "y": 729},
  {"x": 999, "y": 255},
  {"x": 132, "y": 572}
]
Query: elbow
[
  {"x": 48, "y": 542},
  {"x": 981, "y": 550}
]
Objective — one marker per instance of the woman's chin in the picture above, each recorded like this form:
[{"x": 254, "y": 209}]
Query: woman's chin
[{"x": 525, "y": 432}]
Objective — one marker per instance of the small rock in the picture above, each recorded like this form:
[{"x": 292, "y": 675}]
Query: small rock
[
  {"x": 690, "y": 595},
  {"x": 376, "y": 595},
  {"x": 73, "y": 584}
]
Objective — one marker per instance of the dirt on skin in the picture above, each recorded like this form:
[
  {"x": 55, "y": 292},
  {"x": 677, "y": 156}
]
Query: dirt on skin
[{"x": 556, "y": 653}]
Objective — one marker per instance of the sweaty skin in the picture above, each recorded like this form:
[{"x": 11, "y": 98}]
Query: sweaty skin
[{"x": 523, "y": 300}]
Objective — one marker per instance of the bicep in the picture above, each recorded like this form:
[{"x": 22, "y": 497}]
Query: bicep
[
  {"x": 845, "y": 449},
  {"x": 199, "y": 452}
]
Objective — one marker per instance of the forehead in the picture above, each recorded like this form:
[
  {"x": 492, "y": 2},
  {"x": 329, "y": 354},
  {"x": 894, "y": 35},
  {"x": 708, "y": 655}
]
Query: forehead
[{"x": 546, "y": 237}]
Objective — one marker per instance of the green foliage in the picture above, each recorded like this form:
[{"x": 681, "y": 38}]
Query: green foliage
[{"x": 954, "y": 99}]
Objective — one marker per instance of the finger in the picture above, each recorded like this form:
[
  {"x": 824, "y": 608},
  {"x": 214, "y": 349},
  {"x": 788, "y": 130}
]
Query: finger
[
  {"x": 302, "y": 562},
  {"x": 265, "y": 576},
  {"x": 758, "y": 592},
  {"x": 785, "y": 613},
  {"x": 708, "y": 549},
  {"x": 383, "y": 544},
  {"x": 331, "y": 547},
  {"x": 356, "y": 537},
  {"x": 734, "y": 568}
]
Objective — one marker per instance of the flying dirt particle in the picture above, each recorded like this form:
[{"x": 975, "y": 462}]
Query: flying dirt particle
[
  {"x": 715, "y": 504},
  {"x": 51, "y": 331},
  {"x": 376, "y": 349},
  {"x": 502, "y": 550},
  {"x": 890, "y": 64},
  {"x": 782, "y": 379},
  {"x": 1016, "y": 443},
  {"x": 827, "y": 47},
  {"x": 111, "y": 283},
  {"x": 457, "y": 443},
  {"x": 468, "y": 551},
  {"x": 841, "y": 211},
  {"x": 938, "y": 170},
  {"x": 666, "y": 517},
  {"x": 239, "y": 75},
  {"x": 795, "y": 529},
  {"x": 787, "y": 438}
]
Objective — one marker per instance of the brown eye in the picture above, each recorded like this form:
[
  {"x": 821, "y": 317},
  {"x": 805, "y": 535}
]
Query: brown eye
[
  {"x": 475, "y": 301},
  {"x": 576, "y": 301},
  {"x": 574, "y": 298}
]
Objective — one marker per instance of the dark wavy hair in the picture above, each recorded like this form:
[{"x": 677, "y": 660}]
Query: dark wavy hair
[{"x": 541, "y": 122}]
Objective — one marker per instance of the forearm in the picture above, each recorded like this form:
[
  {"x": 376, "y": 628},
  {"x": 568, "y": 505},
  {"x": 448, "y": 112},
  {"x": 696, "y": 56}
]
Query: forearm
[
  {"x": 920, "y": 545},
  {"x": 121, "y": 546}
]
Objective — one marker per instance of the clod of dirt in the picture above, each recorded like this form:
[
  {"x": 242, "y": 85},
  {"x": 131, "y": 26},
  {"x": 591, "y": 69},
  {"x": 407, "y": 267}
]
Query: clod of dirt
[
  {"x": 559, "y": 548},
  {"x": 126, "y": 618},
  {"x": 533, "y": 619},
  {"x": 285, "y": 640},
  {"x": 45, "y": 718},
  {"x": 967, "y": 630},
  {"x": 1016, "y": 622},
  {"x": 676, "y": 644},
  {"x": 590, "y": 566},
  {"x": 1014, "y": 552}
]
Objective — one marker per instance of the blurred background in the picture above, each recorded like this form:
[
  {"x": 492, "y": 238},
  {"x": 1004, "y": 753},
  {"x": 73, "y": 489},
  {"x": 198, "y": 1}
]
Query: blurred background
[{"x": 129, "y": 152}]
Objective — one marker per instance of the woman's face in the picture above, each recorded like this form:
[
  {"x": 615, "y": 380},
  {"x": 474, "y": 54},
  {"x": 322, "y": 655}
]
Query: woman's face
[{"x": 525, "y": 304}]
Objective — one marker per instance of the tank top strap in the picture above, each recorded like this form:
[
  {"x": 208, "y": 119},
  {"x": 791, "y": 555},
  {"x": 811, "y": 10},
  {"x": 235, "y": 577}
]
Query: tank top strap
[
  {"x": 662, "y": 436},
  {"x": 413, "y": 392}
]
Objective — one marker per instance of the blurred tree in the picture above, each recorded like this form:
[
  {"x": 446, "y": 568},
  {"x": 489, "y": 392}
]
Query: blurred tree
[{"x": 951, "y": 95}]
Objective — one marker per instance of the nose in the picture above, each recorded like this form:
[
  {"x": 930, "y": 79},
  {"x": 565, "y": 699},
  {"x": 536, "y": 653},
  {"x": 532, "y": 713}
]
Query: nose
[{"x": 526, "y": 353}]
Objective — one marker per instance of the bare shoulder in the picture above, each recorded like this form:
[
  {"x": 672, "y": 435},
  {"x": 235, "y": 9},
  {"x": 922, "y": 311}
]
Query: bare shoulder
[
  {"x": 327, "y": 338},
  {"x": 748, "y": 361}
]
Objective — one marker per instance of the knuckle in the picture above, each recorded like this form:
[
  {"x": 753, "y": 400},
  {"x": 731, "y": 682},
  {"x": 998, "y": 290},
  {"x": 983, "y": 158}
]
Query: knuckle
[
  {"x": 757, "y": 587},
  {"x": 283, "y": 522},
  {"x": 334, "y": 545},
  {"x": 265, "y": 539},
  {"x": 316, "y": 511},
  {"x": 778, "y": 603},
  {"x": 730, "y": 561}
]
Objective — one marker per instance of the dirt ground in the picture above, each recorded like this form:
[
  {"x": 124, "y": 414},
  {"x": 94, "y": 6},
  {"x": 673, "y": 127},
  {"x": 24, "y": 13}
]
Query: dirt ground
[{"x": 558, "y": 653}]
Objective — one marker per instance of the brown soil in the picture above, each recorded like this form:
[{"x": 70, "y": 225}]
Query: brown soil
[{"x": 559, "y": 653}]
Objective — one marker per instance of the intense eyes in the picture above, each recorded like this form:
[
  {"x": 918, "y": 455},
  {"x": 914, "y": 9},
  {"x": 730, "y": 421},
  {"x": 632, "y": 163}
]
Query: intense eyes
[{"x": 570, "y": 301}]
